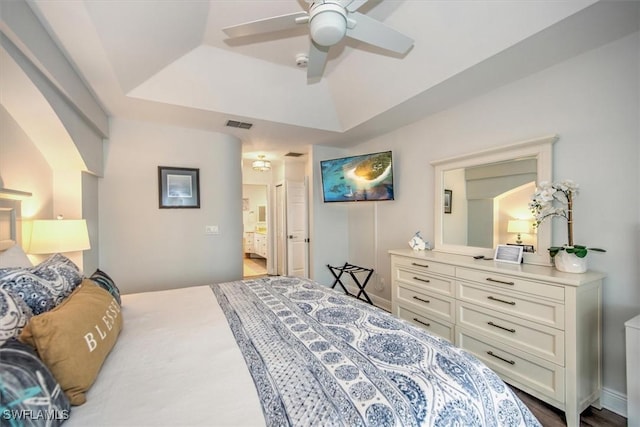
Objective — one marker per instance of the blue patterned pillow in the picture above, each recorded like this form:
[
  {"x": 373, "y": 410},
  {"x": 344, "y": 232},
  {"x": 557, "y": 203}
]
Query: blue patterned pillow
[
  {"x": 44, "y": 286},
  {"x": 103, "y": 280},
  {"x": 14, "y": 315},
  {"x": 28, "y": 287},
  {"x": 27, "y": 388},
  {"x": 61, "y": 273}
]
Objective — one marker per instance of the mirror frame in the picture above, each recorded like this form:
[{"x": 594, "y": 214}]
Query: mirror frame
[{"x": 540, "y": 148}]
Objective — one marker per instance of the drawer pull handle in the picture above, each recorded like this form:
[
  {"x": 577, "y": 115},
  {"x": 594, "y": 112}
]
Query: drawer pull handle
[
  {"x": 420, "y": 299},
  {"x": 489, "y": 279},
  {"x": 511, "y": 362},
  {"x": 422, "y": 280},
  {"x": 502, "y": 327},
  {"x": 421, "y": 322},
  {"x": 501, "y": 300},
  {"x": 420, "y": 265}
]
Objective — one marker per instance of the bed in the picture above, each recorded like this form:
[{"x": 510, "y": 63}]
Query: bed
[
  {"x": 270, "y": 351},
  {"x": 285, "y": 351}
]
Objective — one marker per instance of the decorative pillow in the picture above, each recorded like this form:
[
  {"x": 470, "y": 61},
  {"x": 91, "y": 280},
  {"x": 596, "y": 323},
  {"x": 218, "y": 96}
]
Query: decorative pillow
[
  {"x": 14, "y": 257},
  {"x": 29, "y": 288},
  {"x": 103, "y": 280},
  {"x": 61, "y": 273},
  {"x": 44, "y": 286},
  {"x": 74, "y": 338},
  {"x": 14, "y": 315},
  {"x": 29, "y": 388}
]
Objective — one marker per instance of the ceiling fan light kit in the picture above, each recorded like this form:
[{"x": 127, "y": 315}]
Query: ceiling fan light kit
[{"x": 329, "y": 22}]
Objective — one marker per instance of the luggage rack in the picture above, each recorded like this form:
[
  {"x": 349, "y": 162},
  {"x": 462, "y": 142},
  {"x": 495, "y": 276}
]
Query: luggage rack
[{"x": 338, "y": 271}]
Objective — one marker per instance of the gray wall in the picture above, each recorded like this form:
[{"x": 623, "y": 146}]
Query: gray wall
[
  {"x": 146, "y": 248},
  {"x": 329, "y": 222},
  {"x": 592, "y": 102}
]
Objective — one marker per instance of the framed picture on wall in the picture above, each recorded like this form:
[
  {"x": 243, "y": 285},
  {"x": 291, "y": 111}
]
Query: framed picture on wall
[
  {"x": 448, "y": 194},
  {"x": 178, "y": 187}
]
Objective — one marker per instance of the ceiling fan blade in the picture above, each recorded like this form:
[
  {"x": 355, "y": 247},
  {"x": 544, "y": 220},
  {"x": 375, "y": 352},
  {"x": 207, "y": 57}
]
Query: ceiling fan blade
[
  {"x": 353, "y": 5},
  {"x": 267, "y": 25},
  {"x": 375, "y": 33},
  {"x": 317, "y": 60}
]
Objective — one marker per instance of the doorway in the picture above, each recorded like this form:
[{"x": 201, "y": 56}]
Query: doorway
[{"x": 255, "y": 222}]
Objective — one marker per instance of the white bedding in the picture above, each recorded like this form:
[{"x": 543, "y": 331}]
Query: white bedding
[
  {"x": 167, "y": 386},
  {"x": 286, "y": 351}
]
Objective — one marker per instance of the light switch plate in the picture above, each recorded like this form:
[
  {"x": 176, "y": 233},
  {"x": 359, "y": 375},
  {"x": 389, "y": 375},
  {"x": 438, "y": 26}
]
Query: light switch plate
[{"x": 211, "y": 229}]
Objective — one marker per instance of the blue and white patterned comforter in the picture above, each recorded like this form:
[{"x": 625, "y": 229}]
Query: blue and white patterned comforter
[{"x": 318, "y": 357}]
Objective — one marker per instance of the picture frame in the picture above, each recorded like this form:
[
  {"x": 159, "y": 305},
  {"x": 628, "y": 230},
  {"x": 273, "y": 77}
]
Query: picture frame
[
  {"x": 178, "y": 188},
  {"x": 448, "y": 196},
  {"x": 525, "y": 248},
  {"x": 509, "y": 253}
]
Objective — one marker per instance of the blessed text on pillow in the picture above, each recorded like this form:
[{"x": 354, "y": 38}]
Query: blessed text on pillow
[{"x": 75, "y": 338}]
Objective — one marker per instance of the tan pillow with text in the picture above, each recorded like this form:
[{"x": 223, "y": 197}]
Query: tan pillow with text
[{"x": 74, "y": 338}]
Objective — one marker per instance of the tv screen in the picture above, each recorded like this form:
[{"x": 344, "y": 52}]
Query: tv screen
[{"x": 358, "y": 178}]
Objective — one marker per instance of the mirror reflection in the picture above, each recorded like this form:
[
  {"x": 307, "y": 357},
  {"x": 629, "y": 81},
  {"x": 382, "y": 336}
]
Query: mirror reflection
[
  {"x": 489, "y": 204},
  {"x": 482, "y": 200}
]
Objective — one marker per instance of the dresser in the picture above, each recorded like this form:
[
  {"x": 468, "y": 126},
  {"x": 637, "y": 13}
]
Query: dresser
[
  {"x": 632, "y": 332},
  {"x": 538, "y": 328}
]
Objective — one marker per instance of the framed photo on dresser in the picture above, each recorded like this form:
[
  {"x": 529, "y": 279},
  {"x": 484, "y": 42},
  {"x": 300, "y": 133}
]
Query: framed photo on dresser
[{"x": 509, "y": 253}]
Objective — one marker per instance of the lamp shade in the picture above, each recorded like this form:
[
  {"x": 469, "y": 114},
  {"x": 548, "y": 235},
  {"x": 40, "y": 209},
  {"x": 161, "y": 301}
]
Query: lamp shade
[
  {"x": 49, "y": 236},
  {"x": 518, "y": 226}
]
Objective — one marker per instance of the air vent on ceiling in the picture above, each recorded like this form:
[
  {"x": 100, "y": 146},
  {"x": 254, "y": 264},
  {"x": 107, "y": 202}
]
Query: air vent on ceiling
[
  {"x": 292, "y": 154},
  {"x": 237, "y": 124}
]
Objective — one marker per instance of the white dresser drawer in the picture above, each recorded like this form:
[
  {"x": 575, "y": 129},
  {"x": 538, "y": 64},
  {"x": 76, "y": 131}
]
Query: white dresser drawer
[
  {"x": 541, "y": 327},
  {"x": 512, "y": 283},
  {"x": 442, "y": 284},
  {"x": 427, "y": 303},
  {"x": 515, "y": 366},
  {"x": 434, "y": 326},
  {"x": 426, "y": 266},
  {"x": 528, "y": 307},
  {"x": 538, "y": 340}
]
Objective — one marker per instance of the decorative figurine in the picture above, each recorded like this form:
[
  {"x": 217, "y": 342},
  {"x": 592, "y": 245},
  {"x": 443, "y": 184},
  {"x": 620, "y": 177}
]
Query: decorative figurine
[{"x": 417, "y": 243}]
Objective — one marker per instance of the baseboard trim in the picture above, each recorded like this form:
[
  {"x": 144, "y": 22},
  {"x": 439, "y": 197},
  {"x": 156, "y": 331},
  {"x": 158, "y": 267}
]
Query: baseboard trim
[{"x": 614, "y": 401}]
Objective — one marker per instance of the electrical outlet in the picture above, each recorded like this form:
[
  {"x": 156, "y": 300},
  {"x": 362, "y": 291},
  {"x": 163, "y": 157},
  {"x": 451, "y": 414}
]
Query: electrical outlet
[{"x": 380, "y": 285}]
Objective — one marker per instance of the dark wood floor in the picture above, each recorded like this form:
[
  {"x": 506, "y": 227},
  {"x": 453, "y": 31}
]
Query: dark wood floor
[{"x": 552, "y": 417}]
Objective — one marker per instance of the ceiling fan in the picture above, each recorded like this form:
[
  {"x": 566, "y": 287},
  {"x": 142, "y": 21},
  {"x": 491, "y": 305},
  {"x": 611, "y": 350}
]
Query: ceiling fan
[{"x": 329, "y": 22}]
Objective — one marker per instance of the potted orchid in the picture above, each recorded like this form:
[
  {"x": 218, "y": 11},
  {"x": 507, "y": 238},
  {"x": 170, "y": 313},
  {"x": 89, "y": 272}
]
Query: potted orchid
[{"x": 556, "y": 199}]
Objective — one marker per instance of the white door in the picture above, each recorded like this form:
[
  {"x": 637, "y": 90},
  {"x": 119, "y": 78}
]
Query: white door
[
  {"x": 281, "y": 232},
  {"x": 296, "y": 218}
]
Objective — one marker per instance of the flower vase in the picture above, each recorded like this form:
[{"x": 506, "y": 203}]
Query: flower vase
[{"x": 570, "y": 263}]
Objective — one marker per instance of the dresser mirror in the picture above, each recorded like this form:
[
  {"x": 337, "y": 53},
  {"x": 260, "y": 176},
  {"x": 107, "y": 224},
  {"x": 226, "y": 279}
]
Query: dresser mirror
[{"x": 481, "y": 200}]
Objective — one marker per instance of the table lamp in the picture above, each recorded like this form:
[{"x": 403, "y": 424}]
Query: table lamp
[
  {"x": 518, "y": 226},
  {"x": 49, "y": 236}
]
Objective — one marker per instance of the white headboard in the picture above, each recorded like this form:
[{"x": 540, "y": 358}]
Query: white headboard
[{"x": 10, "y": 217}]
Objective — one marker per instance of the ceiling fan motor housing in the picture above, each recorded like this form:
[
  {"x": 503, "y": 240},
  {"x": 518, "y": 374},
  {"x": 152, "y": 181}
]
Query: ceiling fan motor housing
[{"x": 327, "y": 23}]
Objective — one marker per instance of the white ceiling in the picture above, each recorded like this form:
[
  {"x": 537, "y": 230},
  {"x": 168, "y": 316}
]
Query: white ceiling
[{"x": 168, "y": 60}]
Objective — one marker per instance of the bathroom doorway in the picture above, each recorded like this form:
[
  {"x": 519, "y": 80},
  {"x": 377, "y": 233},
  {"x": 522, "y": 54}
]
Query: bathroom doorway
[{"x": 255, "y": 219}]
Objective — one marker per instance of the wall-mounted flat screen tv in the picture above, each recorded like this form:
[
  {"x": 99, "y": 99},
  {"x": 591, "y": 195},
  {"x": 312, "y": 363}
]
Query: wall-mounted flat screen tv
[{"x": 368, "y": 177}]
